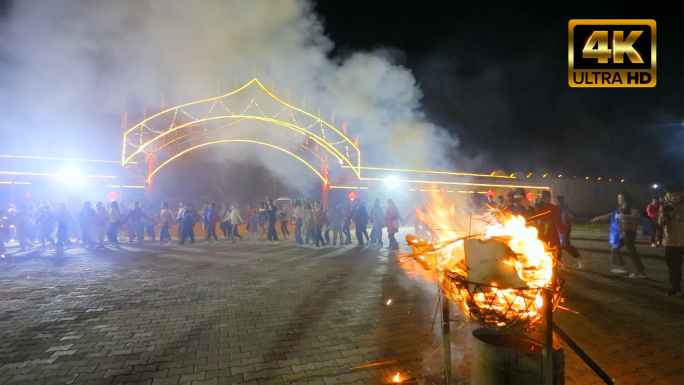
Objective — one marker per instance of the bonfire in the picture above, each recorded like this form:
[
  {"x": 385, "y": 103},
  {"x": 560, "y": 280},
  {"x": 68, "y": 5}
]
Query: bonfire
[{"x": 497, "y": 270}]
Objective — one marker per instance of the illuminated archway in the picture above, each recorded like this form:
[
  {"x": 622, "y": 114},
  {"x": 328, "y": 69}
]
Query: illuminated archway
[
  {"x": 323, "y": 179},
  {"x": 145, "y": 144}
]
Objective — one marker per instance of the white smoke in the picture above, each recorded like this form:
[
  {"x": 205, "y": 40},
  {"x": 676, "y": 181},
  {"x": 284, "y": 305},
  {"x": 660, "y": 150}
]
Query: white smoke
[{"x": 70, "y": 69}]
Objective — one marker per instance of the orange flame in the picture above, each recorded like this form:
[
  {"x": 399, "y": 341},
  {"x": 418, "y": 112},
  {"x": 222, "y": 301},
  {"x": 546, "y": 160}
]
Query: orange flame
[
  {"x": 396, "y": 378},
  {"x": 443, "y": 256}
]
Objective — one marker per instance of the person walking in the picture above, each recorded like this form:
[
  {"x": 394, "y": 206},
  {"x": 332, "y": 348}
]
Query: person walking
[
  {"x": 671, "y": 218},
  {"x": 114, "y": 222},
  {"x": 653, "y": 211},
  {"x": 299, "y": 222},
  {"x": 135, "y": 224},
  {"x": 566, "y": 218},
  {"x": 272, "y": 212},
  {"x": 97, "y": 231},
  {"x": 235, "y": 221},
  {"x": 346, "y": 227},
  {"x": 253, "y": 226},
  {"x": 85, "y": 221},
  {"x": 165, "y": 218},
  {"x": 377, "y": 218},
  {"x": 624, "y": 223},
  {"x": 392, "y": 219},
  {"x": 336, "y": 222},
  {"x": 360, "y": 221}
]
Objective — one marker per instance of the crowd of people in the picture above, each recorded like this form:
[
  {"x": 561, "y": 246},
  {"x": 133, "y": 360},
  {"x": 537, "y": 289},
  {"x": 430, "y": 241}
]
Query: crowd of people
[
  {"x": 313, "y": 223},
  {"x": 107, "y": 225}
]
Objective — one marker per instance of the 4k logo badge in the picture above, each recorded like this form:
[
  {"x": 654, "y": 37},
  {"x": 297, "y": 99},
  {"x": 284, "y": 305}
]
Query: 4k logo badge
[{"x": 612, "y": 53}]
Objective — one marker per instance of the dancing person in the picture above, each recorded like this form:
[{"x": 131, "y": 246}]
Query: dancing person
[
  {"x": 346, "y": 227},
  {"x": 205, "y": 216},
  {"x": 179, "y": 219},
  {"x": 210, "y": 217},
  {"x": 272, "y": 212},
  {"x": 33, "y": 217},
  {"x": 149, "y": 224},
  {"x": 299, "y": 222},
  {"x": 63, "y": 219},
  {"x": 653, "y": 211},
  {"x": 263, "y": 219},
  {"x": 309, "y": 223},
  {"x": 517, "y": 203},
  {"x": 4, "y": 227},
  {"x": 392, "y": 219},
  {"x": 114, "y": 222},
  {"x": 566, "y": 218},
  {"x": 284, "y": 218},
  {"x": 624, "y": 223},
  {"x": 253, "y": 226},
  {"x": 550, "y": 226},
  {"x": 97, "y": 231},
  {"x": 235, "y": 221},
  {"x": 190, "y": 216},
  {"x": 73, "y": 228},
  {"x": 165, "y": 218},
  {"x": 319, "y": 219},
  {"x": 135, "y": 225},
  {"x": 225, "y": 223},
  {"x": 46, "y": 220},
  {"x": 360, "y": 221},
  {"x": 671, "y": 218},
  {"x": 377, "y": 219},
  {"x": 22, "y": 225},
  {"x": 85, "y": 221},
  {"x": 336, "y": 220}
]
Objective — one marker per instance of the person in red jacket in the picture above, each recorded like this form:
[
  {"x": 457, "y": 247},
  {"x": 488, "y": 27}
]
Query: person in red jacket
[{"x": 653, "y": 211}]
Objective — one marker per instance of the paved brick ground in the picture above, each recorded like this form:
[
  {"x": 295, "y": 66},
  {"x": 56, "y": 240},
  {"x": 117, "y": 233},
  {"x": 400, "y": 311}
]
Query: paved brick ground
[{"x": 258, "y": 314}]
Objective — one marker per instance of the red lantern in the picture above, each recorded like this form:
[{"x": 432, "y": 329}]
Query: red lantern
[
  {"x": 490, "y": 194},
  {"x": 112, "y": 196},
  {"x": 352, "y": 196},
  {"x": 530, "y": 196},
  {"x": 442, "y": 192}
]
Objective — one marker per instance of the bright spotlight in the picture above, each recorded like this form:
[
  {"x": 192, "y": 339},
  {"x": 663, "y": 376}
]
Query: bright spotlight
[
  {"x": 655, "y": 186},
  {"x": 392, "y": 182},
  {"x": 70, "y": 176}
]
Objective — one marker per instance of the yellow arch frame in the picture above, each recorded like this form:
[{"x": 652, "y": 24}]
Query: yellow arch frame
[
  {"x": 316, "y": 138},
  {"x": 325, "y": 181}
]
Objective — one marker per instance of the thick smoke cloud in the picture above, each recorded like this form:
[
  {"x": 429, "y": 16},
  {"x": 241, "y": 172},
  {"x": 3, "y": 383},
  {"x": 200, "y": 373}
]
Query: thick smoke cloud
[{"x": 70, "y": 69}]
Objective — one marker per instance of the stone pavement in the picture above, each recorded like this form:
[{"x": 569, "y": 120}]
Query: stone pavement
[{"x": 262, "y": 313}]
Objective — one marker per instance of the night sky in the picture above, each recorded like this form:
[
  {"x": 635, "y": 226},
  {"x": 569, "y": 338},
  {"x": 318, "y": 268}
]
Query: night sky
[{"x": 495, "y": 74}]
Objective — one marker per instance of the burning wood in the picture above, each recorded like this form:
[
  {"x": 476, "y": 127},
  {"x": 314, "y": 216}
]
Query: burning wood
[{"x": 497, "y": 273}]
